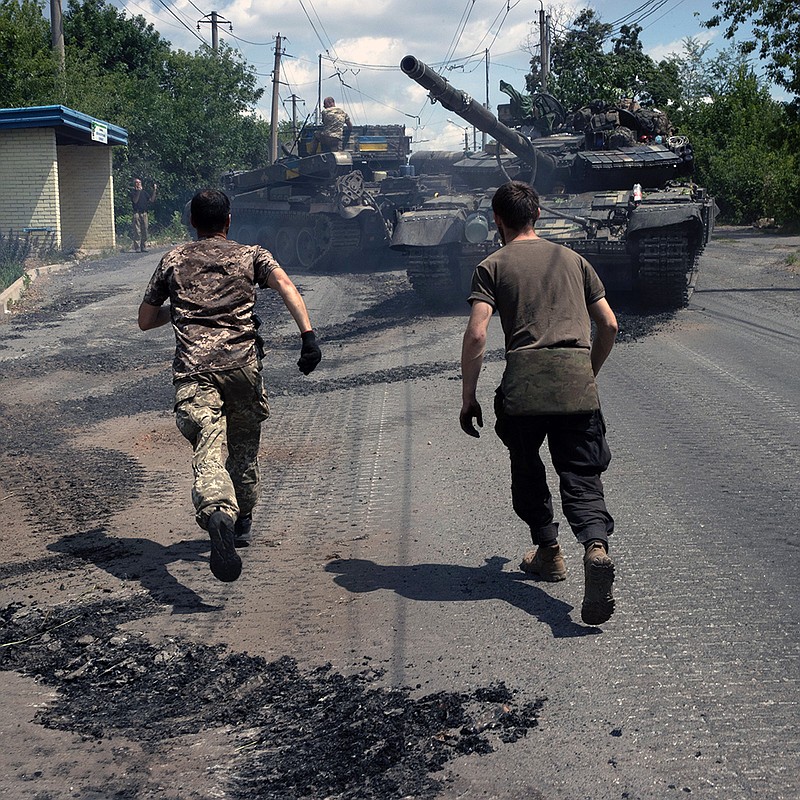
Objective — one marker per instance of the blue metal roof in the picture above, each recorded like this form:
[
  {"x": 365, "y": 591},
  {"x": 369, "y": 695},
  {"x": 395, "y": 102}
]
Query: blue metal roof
[{"x": 72, "y": 125}]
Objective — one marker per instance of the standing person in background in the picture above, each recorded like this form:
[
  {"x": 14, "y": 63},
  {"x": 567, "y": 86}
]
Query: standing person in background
[
  {"x": 334, "y": 123},
  {"x": 141, "y": 202},
  {"x": 546, "y": 295},
  {"x": 219, "y": 392}
]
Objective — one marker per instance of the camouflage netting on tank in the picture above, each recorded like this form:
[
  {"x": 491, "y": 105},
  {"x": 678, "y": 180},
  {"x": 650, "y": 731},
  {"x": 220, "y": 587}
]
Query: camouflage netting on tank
[{"x": 294, "y": 733}]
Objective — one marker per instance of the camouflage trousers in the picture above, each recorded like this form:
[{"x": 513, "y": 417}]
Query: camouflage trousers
[
  {"x": 219, "y": 411},
  {"x": 327, "y": 143}
]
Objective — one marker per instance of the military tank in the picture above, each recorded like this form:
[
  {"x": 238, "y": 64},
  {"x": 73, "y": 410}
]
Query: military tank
[
  {"x": 612, "y": 188},
  {"x": 318, "y": 210}
]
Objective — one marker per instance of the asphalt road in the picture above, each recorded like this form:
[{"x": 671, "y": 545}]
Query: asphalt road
[{"x": 386, "y": 537}]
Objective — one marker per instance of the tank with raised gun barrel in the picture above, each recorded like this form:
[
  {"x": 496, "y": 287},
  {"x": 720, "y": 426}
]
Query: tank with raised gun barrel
[
  {"x": 612, "y": 188},
  {"x": 321, "y": 210}
]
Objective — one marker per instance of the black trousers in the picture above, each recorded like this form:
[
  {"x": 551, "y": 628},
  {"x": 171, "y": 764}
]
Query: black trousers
[{"x": 579, "y": 453}]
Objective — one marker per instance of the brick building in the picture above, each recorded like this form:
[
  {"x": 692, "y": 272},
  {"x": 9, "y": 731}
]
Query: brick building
[{"x": 55, "y": 170}]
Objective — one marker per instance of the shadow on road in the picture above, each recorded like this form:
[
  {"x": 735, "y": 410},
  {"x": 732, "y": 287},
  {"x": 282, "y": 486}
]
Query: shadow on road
[
  {"x": 138, "y": 559},
  {"x": 453, "y": 582},
  {"x": 749, "y": 290}
]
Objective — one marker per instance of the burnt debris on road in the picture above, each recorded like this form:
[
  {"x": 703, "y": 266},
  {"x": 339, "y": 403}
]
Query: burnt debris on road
[{"x": 313, "y": 734}]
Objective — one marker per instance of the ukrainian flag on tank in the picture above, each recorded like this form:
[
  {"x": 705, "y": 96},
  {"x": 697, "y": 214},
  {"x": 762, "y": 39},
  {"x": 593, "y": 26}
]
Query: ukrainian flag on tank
[{"x": 376, "y": 144}]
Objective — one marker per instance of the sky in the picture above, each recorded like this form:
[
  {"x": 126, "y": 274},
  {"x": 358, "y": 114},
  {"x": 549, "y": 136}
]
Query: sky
[{"x": 362, "y": 43}]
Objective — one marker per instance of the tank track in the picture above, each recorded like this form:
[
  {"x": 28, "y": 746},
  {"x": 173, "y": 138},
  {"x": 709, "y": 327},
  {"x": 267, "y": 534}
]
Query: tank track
[
  {"x": 345, "y": 238},
  {"x": 441, "y": 275},
  {"x": 430, "y": 271},
  {"x": 667, "y": 266}
]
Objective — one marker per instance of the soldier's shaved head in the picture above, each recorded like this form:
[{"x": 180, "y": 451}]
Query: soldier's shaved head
[{"x": 210, "y": 210}]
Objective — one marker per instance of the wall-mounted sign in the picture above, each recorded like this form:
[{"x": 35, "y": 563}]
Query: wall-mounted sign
[{"x": 99, "y": 132}]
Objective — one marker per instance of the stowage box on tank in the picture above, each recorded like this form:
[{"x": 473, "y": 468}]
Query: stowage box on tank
[{"x": 614, "y": 185}]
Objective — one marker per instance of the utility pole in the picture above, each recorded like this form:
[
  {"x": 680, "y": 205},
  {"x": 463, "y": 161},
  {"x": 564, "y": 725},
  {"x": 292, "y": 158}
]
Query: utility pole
[
  {"x": 317, "y": 112},
  {"x": 276, "y": 80},
  {"x": 294, "y": 98},
  {"x": 214, "y": 20},
  {"x": 483, "y": 133},
  {"x": 543, "y": 47},
  {"x": 547, "y": 31},
  {"x": 57, "y": 31}
]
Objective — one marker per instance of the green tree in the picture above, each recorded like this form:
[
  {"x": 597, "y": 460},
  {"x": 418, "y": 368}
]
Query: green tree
[
  {"x": 203, "y": 123},
  {"x": 742, "y": 140},
  {"x": 583, "y": 69},
  {"x": 115, "y": 63},
  {"x": 189, "y": 116},
  {"x": 775, "y": 26},
  {"x": 579, "y": 69},
  {"x": 118, "y": 43},
  {"x": 636, "y": 75},
  {"x": 28, "y": 69}
]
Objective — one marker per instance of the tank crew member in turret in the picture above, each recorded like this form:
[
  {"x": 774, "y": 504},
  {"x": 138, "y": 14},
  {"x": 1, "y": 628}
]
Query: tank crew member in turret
[
  {"x": 219, "y": 393},
  {"x": 546, "y": 295},
  {"x": 334, "y": 123}
]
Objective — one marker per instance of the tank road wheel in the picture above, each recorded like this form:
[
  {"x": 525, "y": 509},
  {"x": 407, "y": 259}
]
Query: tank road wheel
[
  {"x": 666, "y": 268},
  {"x": 266, "y": 236},
  {"x": 244, "y": 234},
  {"x": 243, "y": 227},
  {"x": 306, "y": 248},
  {"x": 284, "y": 247}
]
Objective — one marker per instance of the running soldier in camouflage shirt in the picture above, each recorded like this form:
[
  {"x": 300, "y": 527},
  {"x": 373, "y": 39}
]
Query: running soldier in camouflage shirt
[{"x": 219, "y": 392}]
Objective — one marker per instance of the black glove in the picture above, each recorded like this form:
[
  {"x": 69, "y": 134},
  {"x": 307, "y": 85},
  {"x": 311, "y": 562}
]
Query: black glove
[
  {"x": 310, "y": 354},
  {"x": 260, "y": 345}
]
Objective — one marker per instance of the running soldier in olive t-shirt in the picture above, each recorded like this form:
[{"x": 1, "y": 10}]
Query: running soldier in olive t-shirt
[
  {"x": 546, "y": 296},
  {"x": 219, "y": 393}
]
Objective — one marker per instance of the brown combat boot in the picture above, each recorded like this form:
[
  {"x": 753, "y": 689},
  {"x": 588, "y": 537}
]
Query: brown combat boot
[
  {"x": 546, "y": 562},
  {"x": 598, "y": 599}
]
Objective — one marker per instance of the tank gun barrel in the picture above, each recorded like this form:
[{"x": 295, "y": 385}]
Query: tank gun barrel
[{"x": 459, "y": 102}]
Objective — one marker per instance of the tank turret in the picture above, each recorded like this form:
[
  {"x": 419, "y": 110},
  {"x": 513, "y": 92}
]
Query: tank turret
[{"x": 610, "y": 188}]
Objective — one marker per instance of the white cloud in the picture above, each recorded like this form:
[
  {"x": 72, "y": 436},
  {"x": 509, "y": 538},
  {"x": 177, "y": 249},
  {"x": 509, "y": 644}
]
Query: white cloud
[{"x": 662, "y": 51}]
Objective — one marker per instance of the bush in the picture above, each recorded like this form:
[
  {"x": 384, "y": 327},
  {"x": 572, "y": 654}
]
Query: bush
[
  {"x": 750, "y": 182},
  {"x": 174, "y": 232},
  {"x": 14, "y": 251}
]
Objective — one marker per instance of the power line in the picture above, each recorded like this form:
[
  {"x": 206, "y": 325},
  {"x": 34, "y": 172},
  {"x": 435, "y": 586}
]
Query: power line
[
  {"x": 148, "y": 12},
  {"x": 198, "y": 10},
  {"x": 623, "y": 19},
  {"x": 504, "y": 12},
  {"x": 459, "y": 32},
  {"x": 246, "y": 41},
  {"x": 314, "y": 27},
  {"x": 668, "y": 11},
  {"x": 188, "y": 28}
]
